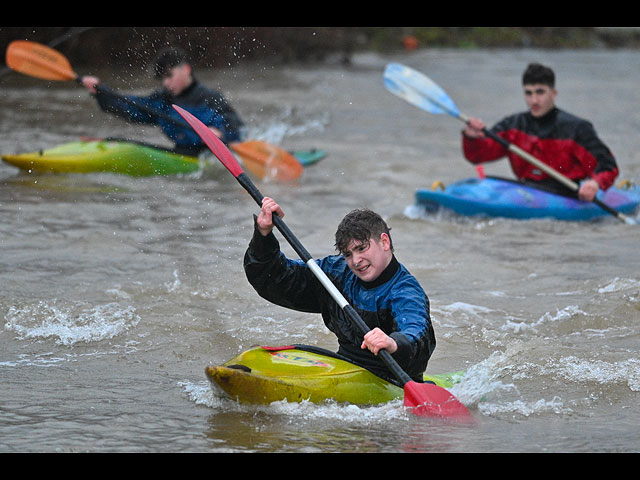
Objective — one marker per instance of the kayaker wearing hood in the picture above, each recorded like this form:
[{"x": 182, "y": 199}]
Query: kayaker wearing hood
[
  {"x": 387, "y": 297},
  {"x": 563, "y": 141},
  {"x": 180, "y": 87}
]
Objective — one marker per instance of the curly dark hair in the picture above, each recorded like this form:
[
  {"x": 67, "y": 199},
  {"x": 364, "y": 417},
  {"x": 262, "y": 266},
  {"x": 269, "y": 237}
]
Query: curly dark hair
[
  {"x": 537, "y": 73},
  {"x": 360, "y": 225}
]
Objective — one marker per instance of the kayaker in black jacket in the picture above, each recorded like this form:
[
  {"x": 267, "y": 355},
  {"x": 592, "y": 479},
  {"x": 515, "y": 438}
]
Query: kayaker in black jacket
[
  {"x": 563, "y": 141},
  {"x": 387, "y": 297},
  {"x": 180, "y": 87}
]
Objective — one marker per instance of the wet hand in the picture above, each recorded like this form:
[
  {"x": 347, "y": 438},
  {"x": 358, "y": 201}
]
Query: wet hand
[
  {"x": 265, "y": 219},
  {"x": 588, "y": 190},
  {"x": 377, "y": 340},
  {"x": 474, "y": 128},
  {"x": 90, "y": 83}
]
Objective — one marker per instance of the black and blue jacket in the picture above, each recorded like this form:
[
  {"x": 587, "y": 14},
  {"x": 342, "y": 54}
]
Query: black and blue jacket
[
  {"x": 209, "y": 106},
  {"x": 395, "y": 302}
]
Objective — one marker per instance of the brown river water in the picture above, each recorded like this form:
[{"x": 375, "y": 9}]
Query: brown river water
[{"x": 116, "y": 292}]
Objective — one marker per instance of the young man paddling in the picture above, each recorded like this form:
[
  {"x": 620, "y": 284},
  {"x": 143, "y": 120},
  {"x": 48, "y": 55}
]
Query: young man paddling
[
  {"x": 563, "y": 141},
  {"x": 180, "y": 87},
  {"x": 387, "y": 297}
]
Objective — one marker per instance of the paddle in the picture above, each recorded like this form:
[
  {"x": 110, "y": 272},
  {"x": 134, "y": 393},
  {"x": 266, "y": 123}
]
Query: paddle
[
  {"x": 424, "y": 399},
  {"x": 56, "y": 41},
  {"x": 40, "y": 61},
  {"x": 422, "y": 92}
]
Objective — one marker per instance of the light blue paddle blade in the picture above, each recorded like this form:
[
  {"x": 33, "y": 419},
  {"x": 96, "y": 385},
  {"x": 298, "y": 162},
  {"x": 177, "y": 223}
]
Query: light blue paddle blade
[{"x": 418, "y": 90}]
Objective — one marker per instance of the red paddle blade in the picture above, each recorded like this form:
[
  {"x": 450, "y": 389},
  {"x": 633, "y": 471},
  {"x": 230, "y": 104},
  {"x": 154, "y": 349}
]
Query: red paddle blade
[
  {"x": 427, "y": 400},
  {"x": 218, "y": 148}
]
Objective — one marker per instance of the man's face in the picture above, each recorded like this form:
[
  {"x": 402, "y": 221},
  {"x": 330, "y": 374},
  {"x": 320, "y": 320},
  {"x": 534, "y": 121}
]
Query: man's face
[
  {"x": 177, "y": 79},
  {"x": 369, "y": 259},
  {"x": 540, "y": 99}
]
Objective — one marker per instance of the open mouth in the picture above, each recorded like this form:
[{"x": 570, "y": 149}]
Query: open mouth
[{"x": 363, "y": 269}]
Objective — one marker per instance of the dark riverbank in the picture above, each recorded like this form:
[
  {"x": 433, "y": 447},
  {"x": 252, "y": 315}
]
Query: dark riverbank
[{"x": 212, "y": 46}]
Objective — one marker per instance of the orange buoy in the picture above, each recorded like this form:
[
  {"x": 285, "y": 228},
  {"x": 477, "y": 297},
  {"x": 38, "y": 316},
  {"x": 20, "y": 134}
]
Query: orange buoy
[{"x": 410, "y": 42}]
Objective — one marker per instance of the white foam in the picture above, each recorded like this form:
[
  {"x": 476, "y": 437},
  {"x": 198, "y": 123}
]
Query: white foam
[
  {"x": 172, "y": 287},
  {"x": 565, "y": 313},
  {"x": 619, "y": 284},
  {"x": 607, "y": 373},
  {"x": 203, "y": 394},
  {"x": 520, "y": 407},
  {"x": 38, "y": 360},
  {"x": 70, "y": 324},
  {"x": 467, "y": 308},
  {"x": 415, "y": 212},
  {"x": 276, "y": 130}
]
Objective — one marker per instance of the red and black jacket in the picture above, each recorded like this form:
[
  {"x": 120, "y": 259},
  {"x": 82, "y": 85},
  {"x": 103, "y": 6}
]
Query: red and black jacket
[{"x": 563, "y": 141}]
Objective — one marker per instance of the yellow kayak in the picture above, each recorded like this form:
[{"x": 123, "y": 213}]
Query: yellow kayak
[{"x": 264, "y": 375}]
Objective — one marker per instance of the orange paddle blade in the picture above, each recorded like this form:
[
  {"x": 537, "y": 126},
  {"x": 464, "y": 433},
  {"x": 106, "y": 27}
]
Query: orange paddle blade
[
  {"x": 267, "y": 161},
  {"x": 37, "y": 60},
  {"x": 427, "y": 400}
]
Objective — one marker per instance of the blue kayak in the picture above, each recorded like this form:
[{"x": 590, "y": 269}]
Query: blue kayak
[{"x": 495, "y": 197}]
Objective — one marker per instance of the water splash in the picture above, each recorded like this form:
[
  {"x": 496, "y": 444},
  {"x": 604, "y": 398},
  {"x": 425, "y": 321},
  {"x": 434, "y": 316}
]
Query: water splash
[
  {"x": 172, "y": 287},
  {"x": 524, "y": 408},
  {"x": 483, "y": 380},
  {"x": 563, "y": 314},
  {"x": 286, "y": 125},
  {"x": 70, "y": 324},
  {"x": 620, "y": 284},
  {"x": 605, "y": 373},
  {"x": 202, "y": 394}
]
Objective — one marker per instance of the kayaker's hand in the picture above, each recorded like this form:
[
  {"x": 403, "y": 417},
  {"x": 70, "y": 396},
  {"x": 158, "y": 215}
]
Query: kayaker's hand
[
  {"x": 474, "y": 128},
  {"x": 265, "y": 219},
  {"x": 588, "y": 190},
  {"x": 377, "y": 340},
  {"x": 90, "y": 83}
]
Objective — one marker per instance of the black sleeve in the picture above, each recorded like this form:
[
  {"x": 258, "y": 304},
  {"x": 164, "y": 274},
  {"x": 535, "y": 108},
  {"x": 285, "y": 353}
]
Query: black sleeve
[{"x": 277, "y": 279}]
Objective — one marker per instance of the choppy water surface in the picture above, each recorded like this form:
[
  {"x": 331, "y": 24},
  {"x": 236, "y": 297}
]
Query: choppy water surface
[{"x": 117, "y": 292}]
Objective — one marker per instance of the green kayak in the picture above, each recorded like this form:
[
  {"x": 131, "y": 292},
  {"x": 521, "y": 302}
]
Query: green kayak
[
  {"x": 264, "y": 375},
  {"x": 114, "y": 156},
  {"x": 119, "y": 156}
]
